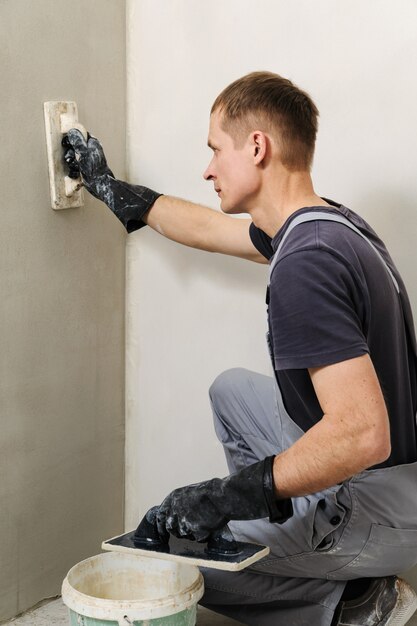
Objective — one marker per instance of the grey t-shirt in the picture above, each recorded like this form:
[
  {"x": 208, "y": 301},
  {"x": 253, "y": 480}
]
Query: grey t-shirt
[{"x": 331, "y": 299}]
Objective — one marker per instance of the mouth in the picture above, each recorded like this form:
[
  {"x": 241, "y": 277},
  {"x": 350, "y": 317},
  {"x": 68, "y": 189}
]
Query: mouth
[{"x": 217, "y": 190}]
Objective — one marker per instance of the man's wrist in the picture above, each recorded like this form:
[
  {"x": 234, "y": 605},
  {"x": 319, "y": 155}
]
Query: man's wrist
[{"x": 279, "y": 509}]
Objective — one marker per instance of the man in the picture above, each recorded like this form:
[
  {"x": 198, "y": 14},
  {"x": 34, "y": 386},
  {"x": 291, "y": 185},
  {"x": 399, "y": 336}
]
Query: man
[{"x": 323, "y": 457}]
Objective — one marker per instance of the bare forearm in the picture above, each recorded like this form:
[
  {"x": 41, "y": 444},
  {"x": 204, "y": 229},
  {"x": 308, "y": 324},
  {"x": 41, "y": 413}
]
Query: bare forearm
[
  {"x": 323, "y": 457},
  {"x": 199, "y": 227},
  {"x": 180, "y": 220}
]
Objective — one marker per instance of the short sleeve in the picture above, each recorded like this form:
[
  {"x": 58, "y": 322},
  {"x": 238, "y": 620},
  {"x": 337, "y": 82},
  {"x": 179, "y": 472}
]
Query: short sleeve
[
  {"x": 261, "y": 241},
  {"x": 316, "y": 311}
]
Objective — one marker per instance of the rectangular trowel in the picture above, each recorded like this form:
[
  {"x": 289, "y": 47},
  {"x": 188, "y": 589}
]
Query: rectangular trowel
[{"x": 220, "y": 551}]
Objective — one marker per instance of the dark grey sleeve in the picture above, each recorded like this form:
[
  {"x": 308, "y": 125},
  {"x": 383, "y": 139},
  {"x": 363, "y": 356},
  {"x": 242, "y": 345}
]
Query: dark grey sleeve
[
  {"x": 317, "y": 311},
  {"x": 261, "y": 241}
]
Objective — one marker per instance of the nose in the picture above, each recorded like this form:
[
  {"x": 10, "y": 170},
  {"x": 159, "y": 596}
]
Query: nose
[{"x": 208, "y": 174}]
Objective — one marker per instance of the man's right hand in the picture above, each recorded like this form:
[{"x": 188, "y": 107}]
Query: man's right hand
[
  {"x": 89, "y": 157},
  {"x": 128, "y": 202}
]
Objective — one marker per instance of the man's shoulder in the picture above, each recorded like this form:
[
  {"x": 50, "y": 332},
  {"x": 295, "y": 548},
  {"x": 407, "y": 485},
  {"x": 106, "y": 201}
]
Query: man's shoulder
[{"x": 337, "y": 239}]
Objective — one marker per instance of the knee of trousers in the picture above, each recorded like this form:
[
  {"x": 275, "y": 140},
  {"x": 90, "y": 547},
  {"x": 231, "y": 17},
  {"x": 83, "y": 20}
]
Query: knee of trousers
[{"x": 226, "y": 384}]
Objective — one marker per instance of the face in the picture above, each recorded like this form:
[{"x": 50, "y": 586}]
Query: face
[{"x": 232, "y": 170}]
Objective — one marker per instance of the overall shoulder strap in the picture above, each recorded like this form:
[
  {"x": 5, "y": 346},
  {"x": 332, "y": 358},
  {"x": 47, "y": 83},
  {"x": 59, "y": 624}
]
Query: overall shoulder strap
[{"x": 330, "y": 217}]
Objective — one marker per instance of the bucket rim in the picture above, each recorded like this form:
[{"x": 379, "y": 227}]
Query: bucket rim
[{"x": 104, "y": 608}]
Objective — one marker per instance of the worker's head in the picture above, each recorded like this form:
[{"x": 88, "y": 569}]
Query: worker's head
[{"x": 259, "y": 119}]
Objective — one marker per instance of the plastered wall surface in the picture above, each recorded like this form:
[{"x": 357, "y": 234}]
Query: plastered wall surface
[
  {"x": 190, "y": 314},
  {"x": 62, "y": 302}
]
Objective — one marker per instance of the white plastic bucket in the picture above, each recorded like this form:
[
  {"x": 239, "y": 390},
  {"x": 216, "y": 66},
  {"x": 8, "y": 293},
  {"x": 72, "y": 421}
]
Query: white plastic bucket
[{"x": 124, "y": 589}]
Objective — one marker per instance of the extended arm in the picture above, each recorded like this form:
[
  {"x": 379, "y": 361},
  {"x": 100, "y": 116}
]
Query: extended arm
[
  {"x": 199, "y": 227},
  {"x": 135, "y": 205}
]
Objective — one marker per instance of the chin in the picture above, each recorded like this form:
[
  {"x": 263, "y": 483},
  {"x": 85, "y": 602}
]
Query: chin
[{"x": 230, "y": 209}]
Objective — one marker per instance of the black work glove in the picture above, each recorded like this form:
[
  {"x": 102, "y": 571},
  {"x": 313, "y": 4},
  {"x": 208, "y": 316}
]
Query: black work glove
[
  {"x": 128, "y": 202},
  {"x": 197, "y": 510}
]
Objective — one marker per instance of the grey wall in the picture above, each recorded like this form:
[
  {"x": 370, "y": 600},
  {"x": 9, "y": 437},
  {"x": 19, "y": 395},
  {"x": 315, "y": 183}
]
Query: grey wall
[{"x": 62, "y": 301}]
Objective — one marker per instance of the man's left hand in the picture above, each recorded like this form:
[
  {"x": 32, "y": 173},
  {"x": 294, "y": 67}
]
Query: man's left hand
[{"x": 197, "y": 510}]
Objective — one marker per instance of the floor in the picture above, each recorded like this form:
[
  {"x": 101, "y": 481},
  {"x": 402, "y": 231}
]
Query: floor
[{"x": 55, "y": 613}]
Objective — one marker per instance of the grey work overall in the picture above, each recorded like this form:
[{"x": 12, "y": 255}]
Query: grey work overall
[{"x": 363, "y": 527}]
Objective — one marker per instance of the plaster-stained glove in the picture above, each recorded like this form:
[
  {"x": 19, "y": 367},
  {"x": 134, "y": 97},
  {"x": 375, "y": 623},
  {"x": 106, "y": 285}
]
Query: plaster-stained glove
[
  {"x": 197, "y": 510},
  {"x": 128, "y": 202}
]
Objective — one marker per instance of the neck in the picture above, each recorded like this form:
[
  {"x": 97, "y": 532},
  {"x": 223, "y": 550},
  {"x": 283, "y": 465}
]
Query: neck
[{"x": 282, "y": 194}]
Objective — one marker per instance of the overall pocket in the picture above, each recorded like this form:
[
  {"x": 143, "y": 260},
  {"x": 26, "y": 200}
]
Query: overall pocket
[
  {"x": 387, "y": 551},
  {"x": 330, "y": 518},
  {"x": 327, "y": 526}
]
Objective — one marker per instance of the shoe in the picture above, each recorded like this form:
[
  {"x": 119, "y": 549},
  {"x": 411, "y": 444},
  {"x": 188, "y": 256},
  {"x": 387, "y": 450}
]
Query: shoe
[{"x": 388, "y": 601}]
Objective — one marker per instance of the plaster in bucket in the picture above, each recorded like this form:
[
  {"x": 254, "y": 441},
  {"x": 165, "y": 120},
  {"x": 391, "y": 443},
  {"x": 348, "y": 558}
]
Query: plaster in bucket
[{"x": 116, "y": 589}]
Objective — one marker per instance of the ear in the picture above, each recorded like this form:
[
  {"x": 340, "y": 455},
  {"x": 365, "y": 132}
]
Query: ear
[{"x": 259, "y": 146}]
